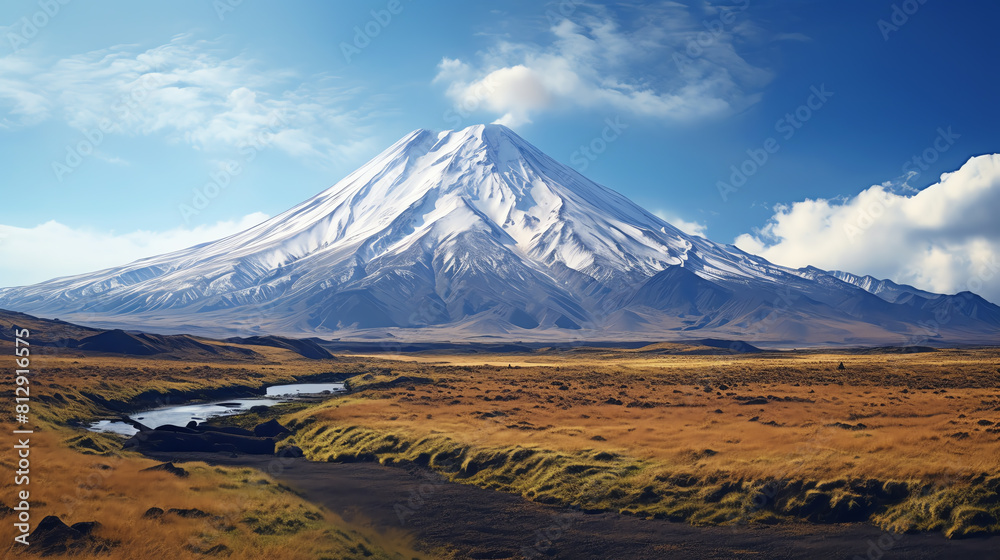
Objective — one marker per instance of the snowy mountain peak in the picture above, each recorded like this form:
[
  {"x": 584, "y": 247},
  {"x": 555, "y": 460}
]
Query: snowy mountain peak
[
  {"x": 485, "y": 178},
  {"x": 476, "y": 232}
]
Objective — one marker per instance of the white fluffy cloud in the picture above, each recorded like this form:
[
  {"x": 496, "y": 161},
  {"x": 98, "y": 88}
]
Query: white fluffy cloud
[
  {"x": 945, "y": 238},
  {"x": 188, "y": 90},
  {"x": 669, "y": 61},
  {"x": 54, "y": 249}
]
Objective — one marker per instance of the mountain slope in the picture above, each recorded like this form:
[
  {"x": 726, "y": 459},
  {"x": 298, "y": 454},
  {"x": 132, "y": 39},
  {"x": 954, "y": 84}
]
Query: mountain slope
[
  {"x": 59, "y": 336},
  {"x": 476, "y": 233}
]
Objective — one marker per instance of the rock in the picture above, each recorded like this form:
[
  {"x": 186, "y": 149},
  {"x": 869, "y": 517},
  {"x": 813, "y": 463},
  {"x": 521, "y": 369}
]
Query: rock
[
  {"x": 170, "y": 468},
  {"x": 173, "y": 441},
  {"x": 85, "y": 527},
  {"x": 225, "y": 430},
  {"x": 227, "y": 448},
  {"x": 271, "y": 428},
  {"x": 172, "y": 428},
  {"x": 844, "y": 426},
  {"x": 755, "y": 401},
  {"x": 192, "y": 424},
  {"x": 135, "y": 424},
  {"x": 291, "y": 451},
  {"x": 52, "y": 536},
  {"x": 641, "y": 404},
  {"x": 193, "y": 513},
  {"x": 153, "y": 513}
]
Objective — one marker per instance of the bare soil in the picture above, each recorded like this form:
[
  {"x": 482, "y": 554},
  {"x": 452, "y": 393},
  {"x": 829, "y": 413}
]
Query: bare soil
[{"x": 484, "y": 524}]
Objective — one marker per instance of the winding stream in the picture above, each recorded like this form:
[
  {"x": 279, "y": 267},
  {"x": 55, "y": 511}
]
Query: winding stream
[{"x": 180, "y": 415}]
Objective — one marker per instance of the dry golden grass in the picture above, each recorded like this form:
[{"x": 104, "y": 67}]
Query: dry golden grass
[
  {"x": 929, "y": 421},
  {"x": 674, "y": 408},
  {"x": 632, "y": 431},
  {"x": 81, "y": 476},
  {"x": 248, "y": 513}
]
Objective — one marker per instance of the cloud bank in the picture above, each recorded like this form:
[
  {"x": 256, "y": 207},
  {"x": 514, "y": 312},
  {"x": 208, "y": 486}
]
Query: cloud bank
[
  {"x": 54, "y": 249},
  {"x": 945, "y": 238}
]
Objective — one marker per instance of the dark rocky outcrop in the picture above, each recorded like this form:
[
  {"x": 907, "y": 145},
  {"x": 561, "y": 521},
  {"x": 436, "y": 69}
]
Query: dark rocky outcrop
[
  {"x": 178, "y": 429},
  {"x": 271, "y": 428},
  {"x": 52, "y": 537},
  {"x": 177, "y": 439},
  {"x": 204, "y": 437},
  {"x": 225, "y": 430},
  {"x": 85, "y": 527},
  {"x": 192, "y": 513},
  {"x": 170, "y": 468},
  {"x": 845, "y": 426},
  {"x": 291, "y": 451}
]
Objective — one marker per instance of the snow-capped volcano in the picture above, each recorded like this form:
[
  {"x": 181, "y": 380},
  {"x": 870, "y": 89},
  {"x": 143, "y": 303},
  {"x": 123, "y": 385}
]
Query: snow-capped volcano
[{"x": 477, "y": 233}]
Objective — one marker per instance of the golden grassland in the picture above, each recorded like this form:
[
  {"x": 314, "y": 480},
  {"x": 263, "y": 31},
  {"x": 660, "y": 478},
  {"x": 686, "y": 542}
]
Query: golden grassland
[
  {"x": 246, "y": 514},
  {"x": 83, "y": 476},
  {"x": 907, "y": 441}
]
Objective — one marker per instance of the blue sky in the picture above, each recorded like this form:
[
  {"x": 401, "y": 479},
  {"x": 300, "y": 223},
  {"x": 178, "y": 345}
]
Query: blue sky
[{"x": 279, "y": 101}]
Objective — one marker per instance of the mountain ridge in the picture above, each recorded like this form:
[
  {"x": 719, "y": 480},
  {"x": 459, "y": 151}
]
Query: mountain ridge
[{"x": 477, "y": 233}]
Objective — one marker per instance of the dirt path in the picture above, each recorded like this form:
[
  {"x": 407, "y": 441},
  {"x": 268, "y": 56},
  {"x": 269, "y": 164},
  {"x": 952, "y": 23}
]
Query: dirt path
[{"x": 484, "y": 524}]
